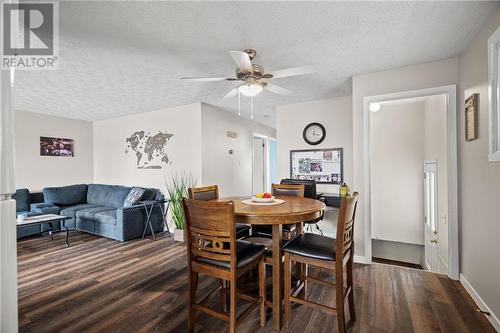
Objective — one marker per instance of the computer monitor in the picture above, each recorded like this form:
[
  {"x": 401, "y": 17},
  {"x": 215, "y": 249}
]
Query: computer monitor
[{"x": 309, "y": 186}]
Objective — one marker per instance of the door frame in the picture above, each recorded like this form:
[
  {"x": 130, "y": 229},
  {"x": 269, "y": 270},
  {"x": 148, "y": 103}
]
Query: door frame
[
  {"x": 452, "y": 134},
  {"x": 266, "y": 159},
  {"x": 427, "y": 250}
]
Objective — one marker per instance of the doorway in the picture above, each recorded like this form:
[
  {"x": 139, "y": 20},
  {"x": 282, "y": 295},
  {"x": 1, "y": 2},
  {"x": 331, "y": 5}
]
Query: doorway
[
  {"x": 434, "y": 186},
  {"x": 259, "y": 164},
  {"x": 264, "y": 163}
]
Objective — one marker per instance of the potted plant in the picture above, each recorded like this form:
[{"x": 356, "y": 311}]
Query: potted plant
[{"x": 177, "y": 189}]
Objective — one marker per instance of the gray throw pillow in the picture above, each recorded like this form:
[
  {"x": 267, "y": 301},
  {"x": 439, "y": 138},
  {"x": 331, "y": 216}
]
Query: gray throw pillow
[{"x": 133, "y": 196}]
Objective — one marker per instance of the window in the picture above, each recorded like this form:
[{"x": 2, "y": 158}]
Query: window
[{"x": 494, "y": 95}]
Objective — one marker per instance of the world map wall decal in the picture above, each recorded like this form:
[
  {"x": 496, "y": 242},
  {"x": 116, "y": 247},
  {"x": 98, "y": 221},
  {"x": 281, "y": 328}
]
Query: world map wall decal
[{"x": 150, "y": 150}]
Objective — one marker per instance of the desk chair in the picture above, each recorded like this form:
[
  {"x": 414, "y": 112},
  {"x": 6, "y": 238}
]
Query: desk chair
[{"x": 309, "y": 192}]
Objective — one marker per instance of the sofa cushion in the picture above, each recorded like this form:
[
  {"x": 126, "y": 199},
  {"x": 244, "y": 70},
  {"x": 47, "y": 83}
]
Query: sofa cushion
[
  {"x": 99, "y": 214},
  {"x": 22, "y": 197},
  {"x": 117, "y": 195},
  {"x": 106, "y": 216},
  {"x": 66, "y": 195},
  {"x": 97, "y": 194},
  {"x": 71, "y": 210},
  {"x": 133, "y": 196}
]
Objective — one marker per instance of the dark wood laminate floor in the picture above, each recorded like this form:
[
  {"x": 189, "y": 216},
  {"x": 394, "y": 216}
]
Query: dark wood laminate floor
[{"x": 99, "y": 285}]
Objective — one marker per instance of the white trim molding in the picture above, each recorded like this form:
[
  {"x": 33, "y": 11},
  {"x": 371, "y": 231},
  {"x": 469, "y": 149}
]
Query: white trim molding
[
  {"x": 480, "y": 303},
  {"x": 362, "y": 260},
  {"x": 452, "y": 128},
  {"x": 494, "y": 96}
]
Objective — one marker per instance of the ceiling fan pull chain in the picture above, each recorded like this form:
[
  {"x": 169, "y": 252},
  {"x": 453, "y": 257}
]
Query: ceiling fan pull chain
[
  {"x": 251, "y": 107},
  {"x": 239, "y": 103}
]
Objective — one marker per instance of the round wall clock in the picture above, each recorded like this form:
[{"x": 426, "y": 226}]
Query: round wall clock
[{"x": 314, "y": 133}]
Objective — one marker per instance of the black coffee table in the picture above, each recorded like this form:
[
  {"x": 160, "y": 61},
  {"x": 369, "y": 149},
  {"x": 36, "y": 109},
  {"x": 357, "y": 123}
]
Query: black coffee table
[{"x": 47, "y": 218}]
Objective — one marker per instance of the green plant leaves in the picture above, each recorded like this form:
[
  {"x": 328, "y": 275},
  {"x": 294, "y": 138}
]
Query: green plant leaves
[{"x": 177, "y": 189}]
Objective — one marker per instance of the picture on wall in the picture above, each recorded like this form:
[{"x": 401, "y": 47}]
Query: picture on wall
[
  {"x": 149, "y": 149},
  {"x": 56, "y": 147},
  {"x": 471, "y": 111},
  {"x": 322, "y": 165}
]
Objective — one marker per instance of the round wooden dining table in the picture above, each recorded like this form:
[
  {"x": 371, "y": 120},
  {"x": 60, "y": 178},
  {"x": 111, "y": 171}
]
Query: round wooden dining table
[{"x": 293, "y": 210}]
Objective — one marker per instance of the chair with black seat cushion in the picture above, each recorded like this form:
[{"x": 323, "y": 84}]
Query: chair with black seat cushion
[
  {"x": 291, "y": 190},
  {"x": 329, "y": 253},
  {"x": 214, "y": 251},
  {"x": 212, "y": 193},
  {"x": 309, "y": 192}
]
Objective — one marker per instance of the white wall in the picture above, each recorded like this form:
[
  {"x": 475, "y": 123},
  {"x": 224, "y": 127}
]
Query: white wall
[
  {"x": 434, "y": 74},
  {"x": 479, "y": 180},
  {"x": 336, "y": 116},
  {"x": 233, "y": 173},
  {"x": 397, "y": 147},
  {"x": 113, "y": 166},
  {"x": 36, "y": 172},
  {"x": 404, "y": 252},
  {"x": 436, "y": 150}
]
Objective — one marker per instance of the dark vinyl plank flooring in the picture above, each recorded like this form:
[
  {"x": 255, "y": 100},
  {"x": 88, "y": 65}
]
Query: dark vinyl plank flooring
[{"x": 100, "y": 285}]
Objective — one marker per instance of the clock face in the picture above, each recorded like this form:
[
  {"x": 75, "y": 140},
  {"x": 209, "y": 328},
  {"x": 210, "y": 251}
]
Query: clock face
[{"x": 314, "y": 133}]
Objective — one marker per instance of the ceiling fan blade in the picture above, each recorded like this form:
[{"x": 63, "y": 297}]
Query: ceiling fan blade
[
  {"x": 277, "y": 89},
  {"x": 242, "y": 60},
  {"x": 208, "y": 79},
  {"x": 231, "y": 93},
  {"x": 293, "y": 71}
]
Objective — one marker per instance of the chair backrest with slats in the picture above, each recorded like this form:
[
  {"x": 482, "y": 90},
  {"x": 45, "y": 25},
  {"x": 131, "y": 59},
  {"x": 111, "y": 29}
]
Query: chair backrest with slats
[
  {"x": 204, "y": 193},
  {"x": 295, "y": 190},
  {"x": 345, "y": 225},
  {"x": 210, "y": 230}
]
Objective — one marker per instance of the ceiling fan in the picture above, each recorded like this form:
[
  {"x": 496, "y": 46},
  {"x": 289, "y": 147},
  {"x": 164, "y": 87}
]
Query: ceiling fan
[{"x": 253, "y": 78}]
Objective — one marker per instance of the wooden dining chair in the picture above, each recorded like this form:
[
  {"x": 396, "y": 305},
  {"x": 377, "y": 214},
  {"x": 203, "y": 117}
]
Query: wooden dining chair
[
  {"x": 212, "y": 193},
  {"x": 334, "y": 254},
  {"x": 213, "y": 250},
  {"x": 295, "y": 190}
]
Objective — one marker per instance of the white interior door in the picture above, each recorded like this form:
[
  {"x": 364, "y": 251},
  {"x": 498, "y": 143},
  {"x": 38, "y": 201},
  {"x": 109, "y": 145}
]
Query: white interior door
[
  {"x": 430, "y": 216},
  {"x": 259, "y": 165}
]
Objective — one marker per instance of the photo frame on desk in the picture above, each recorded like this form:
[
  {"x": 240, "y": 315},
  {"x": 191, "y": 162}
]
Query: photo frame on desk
[{"x": 325, "y": 165}]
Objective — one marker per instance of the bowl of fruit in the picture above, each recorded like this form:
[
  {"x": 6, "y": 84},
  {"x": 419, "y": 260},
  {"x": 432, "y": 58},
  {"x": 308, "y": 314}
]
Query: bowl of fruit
[{"x": 263, "y": 197}]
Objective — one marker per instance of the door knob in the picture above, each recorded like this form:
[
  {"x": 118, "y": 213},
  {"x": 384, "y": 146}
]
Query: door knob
[{"x": 434, "y": 241}]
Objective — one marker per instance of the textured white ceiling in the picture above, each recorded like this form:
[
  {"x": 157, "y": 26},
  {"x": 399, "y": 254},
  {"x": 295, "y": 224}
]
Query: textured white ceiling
[{"x": 119, "y": 58}]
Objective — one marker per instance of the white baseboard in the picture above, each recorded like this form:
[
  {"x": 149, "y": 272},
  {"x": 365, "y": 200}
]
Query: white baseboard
[
  {"x": 480, "y": 303},
  {"x": 362, "y": 260}
]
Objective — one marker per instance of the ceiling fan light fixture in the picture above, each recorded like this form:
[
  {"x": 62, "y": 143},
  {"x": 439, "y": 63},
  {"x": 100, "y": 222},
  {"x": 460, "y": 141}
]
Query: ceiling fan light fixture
[{"x": 250, "y": 90}]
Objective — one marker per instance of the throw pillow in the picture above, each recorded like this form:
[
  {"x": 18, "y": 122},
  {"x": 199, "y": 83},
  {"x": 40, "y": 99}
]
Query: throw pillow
[{"x": 133, "y": 196}]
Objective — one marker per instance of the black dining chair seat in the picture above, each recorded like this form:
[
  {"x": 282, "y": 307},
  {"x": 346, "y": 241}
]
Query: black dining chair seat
[
  {"x": 242, "y": 230},
  {"x": 246, "y": 252},
  {"x": 312, "y": 246}
]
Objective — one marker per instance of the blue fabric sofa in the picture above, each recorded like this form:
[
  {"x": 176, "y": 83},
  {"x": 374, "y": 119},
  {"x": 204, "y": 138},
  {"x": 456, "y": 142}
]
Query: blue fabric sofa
[
  {"x": 25, "y": 204},
  {"x": 98, "y": 209}
]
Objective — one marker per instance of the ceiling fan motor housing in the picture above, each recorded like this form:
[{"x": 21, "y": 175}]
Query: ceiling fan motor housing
[{"x": 258, "y": 72}]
